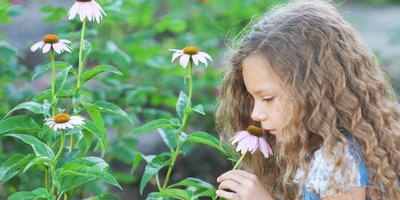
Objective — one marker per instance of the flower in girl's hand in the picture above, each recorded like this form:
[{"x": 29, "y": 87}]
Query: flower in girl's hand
[
  {"x": 51, "y": 41},
  {"x": 190, "y": 52},
  {"x": 250, "y": 140},
  {"x": 64, "y": 121},
  {"x": 89, "y": 9}
]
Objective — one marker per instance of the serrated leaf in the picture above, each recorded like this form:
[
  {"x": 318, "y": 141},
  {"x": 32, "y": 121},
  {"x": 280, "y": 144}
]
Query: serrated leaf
[
  {"x": 181, "y": 103},
  {"x": 34, "y": 107},
  {"x": 152, "y": 168},
  {"x": 18, "y": 124},
  {"x": 58, "y": 65},
  {"x": 13, "y": 165},
  {"x": 159, "y": 123},
  {"x": 199, "y": 109},
  {"x": 89, "y": 74},
  {"x": 40, "y": 160},
  {"x": 40, "y": 148},
  {"x": 204, "y": 138},
  {"x": 60, "y": 79},
  {"x": 73, "y": 175}
]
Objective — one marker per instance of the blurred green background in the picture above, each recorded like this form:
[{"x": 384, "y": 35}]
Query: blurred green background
[{"x": 135, "y": 37}]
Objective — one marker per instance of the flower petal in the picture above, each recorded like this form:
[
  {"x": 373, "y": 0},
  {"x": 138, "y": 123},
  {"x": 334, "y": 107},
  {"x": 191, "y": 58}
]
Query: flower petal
[
  {"x": 175, "y": 55},
  {"x": 205, "y": 55},
  {"x": 239, "y": 136},
  {"x": 264, "y": 147},
  {"x": 184, "y": 60},
  {"x": 57, "y": 48},
  {"x": 73, "y": 10},
  {"x": 195, "y": 59},
  {"x": 46, "y": 48},
  {"x": 37, "y": 45}
]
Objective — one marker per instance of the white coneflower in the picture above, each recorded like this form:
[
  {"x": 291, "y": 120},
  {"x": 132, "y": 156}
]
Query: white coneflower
[
  {"x": 88, "y": 9},
  {"x": 190, "y": 52},
  {"x": 64, "y": 121},
  {"x": 51, "y": 41}
]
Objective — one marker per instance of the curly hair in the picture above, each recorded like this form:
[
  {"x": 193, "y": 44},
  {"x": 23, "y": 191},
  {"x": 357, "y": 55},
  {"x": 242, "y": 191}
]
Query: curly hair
[{"x": 336, "y": 86}]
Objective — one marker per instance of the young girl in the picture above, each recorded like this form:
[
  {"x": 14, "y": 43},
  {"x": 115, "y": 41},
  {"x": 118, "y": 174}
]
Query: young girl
[{"x": 333, "y": 122}]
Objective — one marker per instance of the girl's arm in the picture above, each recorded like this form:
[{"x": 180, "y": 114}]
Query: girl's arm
[
  {"x": 242, "y": 186},
  {"x": 356, "y": 193}
]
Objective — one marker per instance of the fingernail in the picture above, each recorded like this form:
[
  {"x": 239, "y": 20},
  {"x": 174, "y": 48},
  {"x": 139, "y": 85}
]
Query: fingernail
[{"x": 218, "y": 179}]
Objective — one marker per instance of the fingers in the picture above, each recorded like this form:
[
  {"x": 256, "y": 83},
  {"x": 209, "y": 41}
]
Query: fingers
[
  {"x": 232, "y": 175},
  {"x": 226, "y": 195},
  {"x": 231, "y": 185}
]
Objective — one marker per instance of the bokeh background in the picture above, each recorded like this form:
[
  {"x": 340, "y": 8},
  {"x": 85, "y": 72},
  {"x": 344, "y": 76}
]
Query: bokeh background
[{"x": 135, "y": 38}]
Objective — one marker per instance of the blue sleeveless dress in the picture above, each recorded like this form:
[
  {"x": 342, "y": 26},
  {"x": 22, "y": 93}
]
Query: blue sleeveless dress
[{"x": 321, "y": 170}]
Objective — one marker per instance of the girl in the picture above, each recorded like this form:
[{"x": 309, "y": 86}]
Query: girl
[{"x": 304, "y": 76}]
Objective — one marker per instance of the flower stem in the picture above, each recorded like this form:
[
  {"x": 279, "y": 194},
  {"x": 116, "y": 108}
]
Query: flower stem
[
  {"x": 80, "y": 69},
  {"x": 182, "y": 126},
  {"x": 239, "y": 161},
  {"x": 62, "y": 143},
  {"x": 53, "y": 84},
  {"x": 80, "y": 61},
  {"x": 46, "y": 178}
]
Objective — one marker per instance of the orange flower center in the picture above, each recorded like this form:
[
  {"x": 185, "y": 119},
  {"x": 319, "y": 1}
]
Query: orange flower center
[
  {"x": 50, "y": 39},
  {"x": 190, "y": 50},
  {"x": 254, "y": 130},
  {"x": 62, "y": 118}
]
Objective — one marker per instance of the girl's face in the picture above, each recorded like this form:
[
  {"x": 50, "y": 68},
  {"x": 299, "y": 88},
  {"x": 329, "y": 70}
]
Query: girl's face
[{"x": 270, "y": 100}]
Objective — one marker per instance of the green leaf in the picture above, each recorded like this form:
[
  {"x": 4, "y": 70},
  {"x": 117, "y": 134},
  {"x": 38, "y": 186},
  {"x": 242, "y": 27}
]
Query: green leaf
[
  {"x": 199, "y": 109},
  {"x": 89, "y": 74},
  {"x": 159, "y": 123},
  {"x": 58, "y": 65},
  {"x": 98, "y": 121},
  {"x": 60, "y": 79},
  {"x": 13, "y": 165},
  {"x": 193, "y": 182},
  {"x": 40, "y": 160},
  {"x": 103, "y": 106},
  {"x": 152, "y": 168},
  {"x": 176, "y": 194},
  {"x": 40, "y": 193},
  {"x": 73, "y": 175},
  {"x": 204, "y": 138},
  {"x": 40, "y": 148},
  {"x": 34, "y": 107},
  {"x": 181, "y": 104},
  {"x": 104, "y": 197},
  {"x": 93, "y": 129},
  {"x": 18, "y": 123},
  {"x": 92, "y": 161},
  {"x": 46, "y": 94},
  {"x": 170, "y": 137}
]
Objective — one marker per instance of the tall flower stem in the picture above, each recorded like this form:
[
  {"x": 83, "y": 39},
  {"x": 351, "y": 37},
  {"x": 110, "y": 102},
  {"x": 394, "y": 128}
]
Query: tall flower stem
[
  {"x": 53, "y": 83},
  {"x": 182, "y": 126},
  {"x": 62, "y": 144},
  {"x": 80, "y": 69}
]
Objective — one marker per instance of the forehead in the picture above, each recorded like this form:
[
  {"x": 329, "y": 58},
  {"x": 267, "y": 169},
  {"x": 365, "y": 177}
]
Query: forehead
[{"x": 258, "y": 75}]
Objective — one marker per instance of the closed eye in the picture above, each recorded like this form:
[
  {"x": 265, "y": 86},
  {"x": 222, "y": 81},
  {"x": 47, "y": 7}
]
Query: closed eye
[{"x": 269, "y": 99}]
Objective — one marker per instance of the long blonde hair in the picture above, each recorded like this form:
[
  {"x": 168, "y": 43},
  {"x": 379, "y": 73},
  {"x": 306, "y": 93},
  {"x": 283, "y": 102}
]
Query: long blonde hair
[{"x": 336, "y": 84}]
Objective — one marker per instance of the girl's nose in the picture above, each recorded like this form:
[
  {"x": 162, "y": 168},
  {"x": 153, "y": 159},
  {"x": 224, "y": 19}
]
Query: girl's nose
[{"x": 258, "y": 114}]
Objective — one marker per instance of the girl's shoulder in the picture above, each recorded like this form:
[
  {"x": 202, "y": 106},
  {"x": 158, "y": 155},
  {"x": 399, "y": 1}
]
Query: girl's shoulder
[{"x": 325, "y": 179}]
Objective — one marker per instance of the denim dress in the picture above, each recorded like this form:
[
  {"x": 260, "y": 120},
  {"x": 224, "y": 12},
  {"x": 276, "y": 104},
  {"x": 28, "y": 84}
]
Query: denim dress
[{"x": 321, "y": 171}]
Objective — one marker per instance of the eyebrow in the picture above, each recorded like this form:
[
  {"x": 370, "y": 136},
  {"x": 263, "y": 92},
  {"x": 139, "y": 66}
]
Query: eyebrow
[{"x": 264, "y": 90}]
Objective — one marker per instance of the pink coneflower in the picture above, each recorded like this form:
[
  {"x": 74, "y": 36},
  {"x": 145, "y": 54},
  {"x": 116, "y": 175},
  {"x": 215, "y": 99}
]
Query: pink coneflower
[
  {"x": 89, "y": 9},
  {"x": 51, "y": 41},
  {"x": 64, "y": 121},
  {"x": 250, "y": 140},
  {"x": 190, "y": 52}
]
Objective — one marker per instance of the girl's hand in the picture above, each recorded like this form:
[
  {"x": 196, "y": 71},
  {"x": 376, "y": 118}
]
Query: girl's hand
[{"x": 242, "y": 186}]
